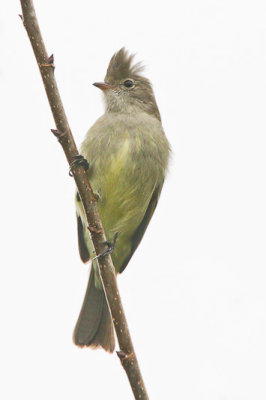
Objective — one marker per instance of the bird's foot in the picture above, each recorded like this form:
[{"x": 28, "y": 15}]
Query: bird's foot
[
  {"x": 78, "y": 160},
  {"x": 110, "y": 248}
]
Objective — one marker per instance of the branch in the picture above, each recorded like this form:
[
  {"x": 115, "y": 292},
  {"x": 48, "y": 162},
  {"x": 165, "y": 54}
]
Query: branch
[{"x": 126, "y": 354}]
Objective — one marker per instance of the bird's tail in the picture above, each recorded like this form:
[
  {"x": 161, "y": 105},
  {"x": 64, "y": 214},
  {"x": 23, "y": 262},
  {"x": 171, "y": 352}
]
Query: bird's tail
[{"x": 94, "y": 327}]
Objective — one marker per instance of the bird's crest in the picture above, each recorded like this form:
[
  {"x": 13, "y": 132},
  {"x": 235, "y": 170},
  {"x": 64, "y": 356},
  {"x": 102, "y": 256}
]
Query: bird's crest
[{"x": 121, "y": 67}]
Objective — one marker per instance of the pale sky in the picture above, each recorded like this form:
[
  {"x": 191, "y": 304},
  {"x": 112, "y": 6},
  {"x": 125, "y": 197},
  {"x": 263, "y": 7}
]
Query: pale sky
[{"x": 194, "y": 292}]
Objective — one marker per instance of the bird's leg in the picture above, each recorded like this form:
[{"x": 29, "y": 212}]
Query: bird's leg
[
  {"x": 110, "y": 248},
  {"x": 78, "y": 160}
]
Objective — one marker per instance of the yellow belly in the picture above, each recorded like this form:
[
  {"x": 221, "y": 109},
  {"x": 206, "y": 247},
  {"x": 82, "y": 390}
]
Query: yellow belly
[{"x": 123, "y": 200}]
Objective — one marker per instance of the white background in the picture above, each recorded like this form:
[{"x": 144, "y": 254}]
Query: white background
[{"x": 194, "y": 292}]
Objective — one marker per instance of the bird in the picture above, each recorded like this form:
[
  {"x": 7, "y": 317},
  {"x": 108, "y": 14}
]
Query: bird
[{"x": 128, "y": 155}]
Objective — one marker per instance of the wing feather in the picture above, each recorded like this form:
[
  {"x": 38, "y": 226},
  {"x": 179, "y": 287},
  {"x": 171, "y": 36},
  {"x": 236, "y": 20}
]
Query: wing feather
[
  {"x": 139, "y": 232},
  {"x": 83, "y": 250}
]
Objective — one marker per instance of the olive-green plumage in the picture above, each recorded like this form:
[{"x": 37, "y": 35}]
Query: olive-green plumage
[{"x": 128, "y": 155}]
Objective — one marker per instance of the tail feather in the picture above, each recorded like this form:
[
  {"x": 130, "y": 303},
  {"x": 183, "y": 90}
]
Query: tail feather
[{"x": 94, "y": 327}]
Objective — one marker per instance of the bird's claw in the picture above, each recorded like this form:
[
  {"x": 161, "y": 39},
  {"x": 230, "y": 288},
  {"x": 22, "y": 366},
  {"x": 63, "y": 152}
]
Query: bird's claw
[
  {"x": 110, "y": 248},
  {"x": 78, "y": 160}
]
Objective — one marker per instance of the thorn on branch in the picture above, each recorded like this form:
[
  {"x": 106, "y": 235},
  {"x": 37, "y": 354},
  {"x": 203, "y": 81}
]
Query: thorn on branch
[
  {"x": 124, "y": 358},
  {"x": 51, "y": 59},
  {"x": 60, "y": 135},
  {"x": 121, "y": 354},
  {"x": 21, "y": 17},
  {"x": 50, "y": 62}
]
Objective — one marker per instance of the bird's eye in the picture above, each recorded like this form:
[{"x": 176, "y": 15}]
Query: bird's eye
[{"x": 129, "y": 83}]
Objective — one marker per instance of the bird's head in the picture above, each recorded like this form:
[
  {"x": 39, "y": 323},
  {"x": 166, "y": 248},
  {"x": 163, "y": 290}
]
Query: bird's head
[{"x": 125, "y": 89}]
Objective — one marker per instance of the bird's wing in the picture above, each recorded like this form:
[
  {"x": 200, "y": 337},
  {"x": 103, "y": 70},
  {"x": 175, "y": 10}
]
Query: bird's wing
[
  {"x": 139, "y": 232},
  {"x": 83, "y": 249}
]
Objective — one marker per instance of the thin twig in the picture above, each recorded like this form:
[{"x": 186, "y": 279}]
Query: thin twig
[{"x": 126, "y": 354}]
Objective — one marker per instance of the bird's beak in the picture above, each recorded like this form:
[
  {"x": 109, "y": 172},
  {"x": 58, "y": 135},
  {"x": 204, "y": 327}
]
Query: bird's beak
[{"x": 103, "y": 86}]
